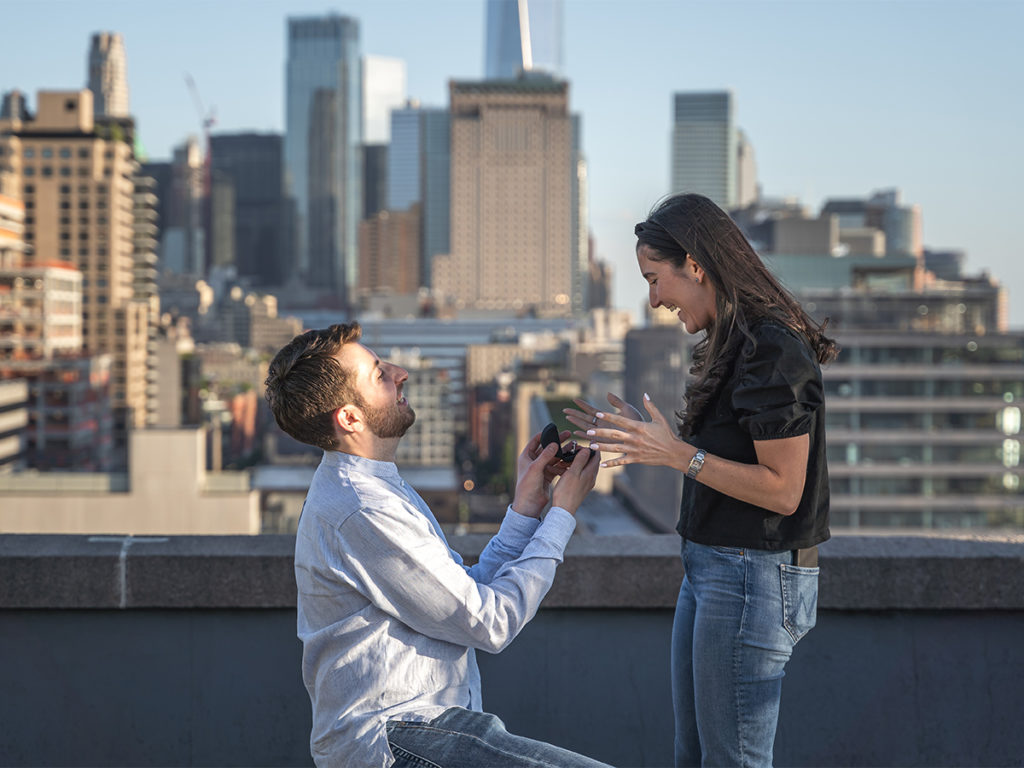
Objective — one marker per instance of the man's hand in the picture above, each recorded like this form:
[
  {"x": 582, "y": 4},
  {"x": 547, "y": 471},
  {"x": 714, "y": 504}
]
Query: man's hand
[
  {"x": 577, "y": 481},
  {"x": 535, "y": 469}
]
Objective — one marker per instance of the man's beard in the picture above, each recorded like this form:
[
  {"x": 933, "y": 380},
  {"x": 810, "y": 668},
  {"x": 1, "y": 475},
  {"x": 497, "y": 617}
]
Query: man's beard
[{"x": 388, "y": 422}]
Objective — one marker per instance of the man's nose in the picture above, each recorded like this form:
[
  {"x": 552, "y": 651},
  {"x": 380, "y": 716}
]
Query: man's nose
[{"x": 399, "y": 374}]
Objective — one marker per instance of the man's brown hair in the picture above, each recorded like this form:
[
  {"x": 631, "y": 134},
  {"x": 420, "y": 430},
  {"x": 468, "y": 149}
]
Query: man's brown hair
[{"x": 306, "y": 384}]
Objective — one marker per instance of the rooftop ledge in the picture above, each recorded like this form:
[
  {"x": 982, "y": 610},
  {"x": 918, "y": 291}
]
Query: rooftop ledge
[{"x": 876, "y": 571}]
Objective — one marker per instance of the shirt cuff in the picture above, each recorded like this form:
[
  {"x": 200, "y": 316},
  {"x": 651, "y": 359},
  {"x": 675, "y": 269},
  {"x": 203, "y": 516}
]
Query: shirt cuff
[
  {"x": 557, "y": 527},
  {"x": 517, "y": 527}
]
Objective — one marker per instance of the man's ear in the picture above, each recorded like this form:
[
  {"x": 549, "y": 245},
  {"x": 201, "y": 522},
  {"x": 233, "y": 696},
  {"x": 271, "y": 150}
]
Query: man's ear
[{"x": 349, "y": 419}]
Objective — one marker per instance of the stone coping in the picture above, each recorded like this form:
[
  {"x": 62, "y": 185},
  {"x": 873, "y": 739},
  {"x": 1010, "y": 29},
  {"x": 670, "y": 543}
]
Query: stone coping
[{"x": 860, "y": 571}]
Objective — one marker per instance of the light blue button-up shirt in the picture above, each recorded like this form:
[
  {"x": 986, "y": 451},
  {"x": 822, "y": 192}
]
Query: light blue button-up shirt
[{"x": 389, "y": 616}]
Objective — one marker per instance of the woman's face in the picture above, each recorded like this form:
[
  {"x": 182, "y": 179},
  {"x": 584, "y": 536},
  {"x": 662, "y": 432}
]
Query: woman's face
[{"x": 686, "y": 291}]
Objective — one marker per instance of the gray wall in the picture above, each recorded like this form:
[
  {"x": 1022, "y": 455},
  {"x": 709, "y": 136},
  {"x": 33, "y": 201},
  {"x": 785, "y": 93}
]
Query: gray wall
[{"x": 183, "y": 652}]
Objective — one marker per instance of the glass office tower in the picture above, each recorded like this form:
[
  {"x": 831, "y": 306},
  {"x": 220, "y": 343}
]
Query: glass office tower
[
  {"x": 322, "y": 157},
  {"x": 704, "y": 146},
  {"x": 503, "y": 54}
]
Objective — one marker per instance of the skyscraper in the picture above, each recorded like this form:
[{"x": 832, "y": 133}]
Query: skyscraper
[
  {"x": 250, "y": 164},
  {"x": 322, "y": 163},
  {"x": 383, "y": 90},
  {"x": 504, "y": 47},
  {"x": 704, "y": 146},
  {"x": 108, "y": 79},
  {"x": 404, "y": 157},
  {"x": 746, "y": 171},
  {"x": 419, "y": 170},
  {"x": 512, "y": 172},
  {"x": 435, "y": 140}
]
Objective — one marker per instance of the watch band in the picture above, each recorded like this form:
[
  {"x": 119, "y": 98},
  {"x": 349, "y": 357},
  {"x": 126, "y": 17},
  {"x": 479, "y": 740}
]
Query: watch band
[{"x": 696, "y": 463}]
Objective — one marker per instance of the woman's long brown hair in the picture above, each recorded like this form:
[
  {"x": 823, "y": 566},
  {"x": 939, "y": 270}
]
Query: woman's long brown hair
[{"x": 745, "y": 292}]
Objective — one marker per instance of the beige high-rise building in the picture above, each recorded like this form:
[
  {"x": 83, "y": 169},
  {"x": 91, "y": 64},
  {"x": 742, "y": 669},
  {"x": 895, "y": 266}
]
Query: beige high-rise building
[
  {"x": 512, "y": 175},
  {"x": 78, "y": 185}
]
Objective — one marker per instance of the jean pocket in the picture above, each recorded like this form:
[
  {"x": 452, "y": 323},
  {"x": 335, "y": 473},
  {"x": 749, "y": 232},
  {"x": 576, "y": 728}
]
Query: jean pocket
[{"x": 799, "y": 599}]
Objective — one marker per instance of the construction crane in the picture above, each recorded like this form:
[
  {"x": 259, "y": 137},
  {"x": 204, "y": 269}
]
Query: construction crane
[{"x": 207, "y": 119}]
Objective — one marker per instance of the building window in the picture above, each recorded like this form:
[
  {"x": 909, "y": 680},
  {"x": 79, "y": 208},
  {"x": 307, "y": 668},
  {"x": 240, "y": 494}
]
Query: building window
[
  {"x": 65, "y": 189},
  {"x": 83, "y": 152},
  {"x": 29, "y": 170},
  {"x": 30, "y": 152},
  {"x": 29, "y": 188},
  {"x": 47, "y": 151},
  {"x": 65, "y": 151}
]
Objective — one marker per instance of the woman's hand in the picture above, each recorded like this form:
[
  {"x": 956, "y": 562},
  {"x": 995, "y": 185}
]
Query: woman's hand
[
  {"x": 638, "y": 441},
  {"x": 585, "y": 417}
]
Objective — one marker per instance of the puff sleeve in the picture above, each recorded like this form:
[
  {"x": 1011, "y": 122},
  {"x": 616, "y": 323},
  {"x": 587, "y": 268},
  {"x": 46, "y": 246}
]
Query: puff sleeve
[{"x": 778, "y": 384}]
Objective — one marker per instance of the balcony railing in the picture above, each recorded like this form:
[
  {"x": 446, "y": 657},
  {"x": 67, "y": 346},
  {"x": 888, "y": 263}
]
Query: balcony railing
[{"x": 182, "y": 651}]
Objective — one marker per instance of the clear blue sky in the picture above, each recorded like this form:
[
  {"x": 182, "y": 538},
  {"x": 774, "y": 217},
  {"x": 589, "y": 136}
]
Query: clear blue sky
[{"x": 838, "y": 97}]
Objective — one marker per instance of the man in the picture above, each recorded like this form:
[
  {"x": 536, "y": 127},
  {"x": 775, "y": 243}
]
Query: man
[{"x": 388, "y": 615}]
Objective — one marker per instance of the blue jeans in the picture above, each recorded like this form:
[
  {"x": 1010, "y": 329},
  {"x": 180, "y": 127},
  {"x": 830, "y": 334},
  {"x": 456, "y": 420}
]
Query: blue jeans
[
  {"x": 461, "y": 738},
  {"x": 740, "y": 612}
]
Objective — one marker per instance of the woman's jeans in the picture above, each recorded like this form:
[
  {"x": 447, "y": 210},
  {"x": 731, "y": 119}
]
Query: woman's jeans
[
  {"x": 461, "y": 738},
  {"x": 740, "y": 613}
]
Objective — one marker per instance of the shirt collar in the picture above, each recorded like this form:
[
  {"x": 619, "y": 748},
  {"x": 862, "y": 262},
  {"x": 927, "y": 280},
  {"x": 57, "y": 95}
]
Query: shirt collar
[{"x": 385, "y": 470}]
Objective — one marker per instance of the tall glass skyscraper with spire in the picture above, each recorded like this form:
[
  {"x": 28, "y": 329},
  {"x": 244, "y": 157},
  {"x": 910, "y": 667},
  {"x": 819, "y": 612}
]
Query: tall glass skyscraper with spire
[
  {"x": 322, "y": 150},
  {"x": 503, "y": 54}
]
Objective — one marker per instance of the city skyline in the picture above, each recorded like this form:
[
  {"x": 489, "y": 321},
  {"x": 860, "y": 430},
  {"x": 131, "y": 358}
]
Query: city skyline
[{"x": 912, "y": 95}]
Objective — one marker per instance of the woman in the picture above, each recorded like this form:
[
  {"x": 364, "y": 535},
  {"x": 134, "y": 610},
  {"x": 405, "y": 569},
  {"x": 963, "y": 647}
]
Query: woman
[{"x": 751, "y": 443}]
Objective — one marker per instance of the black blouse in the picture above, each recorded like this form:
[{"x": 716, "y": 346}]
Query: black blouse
[{"x": 774, "y": 391}]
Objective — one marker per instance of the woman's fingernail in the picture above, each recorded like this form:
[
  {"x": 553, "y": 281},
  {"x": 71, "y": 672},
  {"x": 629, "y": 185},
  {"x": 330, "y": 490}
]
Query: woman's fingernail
[
  {"x": 591, "y": 433},
  {"x": 604, "y": 464},
  {"x": 592, "y": 446},
  {"x": 598, "y": 415},
  {"x": 646, "y": 396}
]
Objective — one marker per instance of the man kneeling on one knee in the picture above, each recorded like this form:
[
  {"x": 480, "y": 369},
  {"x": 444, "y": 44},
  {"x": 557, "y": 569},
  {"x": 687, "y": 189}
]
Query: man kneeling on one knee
[{"x": 388, "y": 614}]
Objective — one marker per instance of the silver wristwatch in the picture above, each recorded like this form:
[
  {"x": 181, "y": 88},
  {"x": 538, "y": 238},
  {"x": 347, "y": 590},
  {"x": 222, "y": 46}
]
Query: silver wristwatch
[{"x": 696, "y": 463}]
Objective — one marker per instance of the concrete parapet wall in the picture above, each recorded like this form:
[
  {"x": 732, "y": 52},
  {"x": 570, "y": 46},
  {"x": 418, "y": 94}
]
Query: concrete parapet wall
[
  {"x": 182, "y": 651},
  {"x": 926, "y": 571}
]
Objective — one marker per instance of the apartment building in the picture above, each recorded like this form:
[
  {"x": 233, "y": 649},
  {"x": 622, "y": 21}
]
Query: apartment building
[
  {"x": 924, "y": 429},
  {"x": 78, "y": 184}
]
